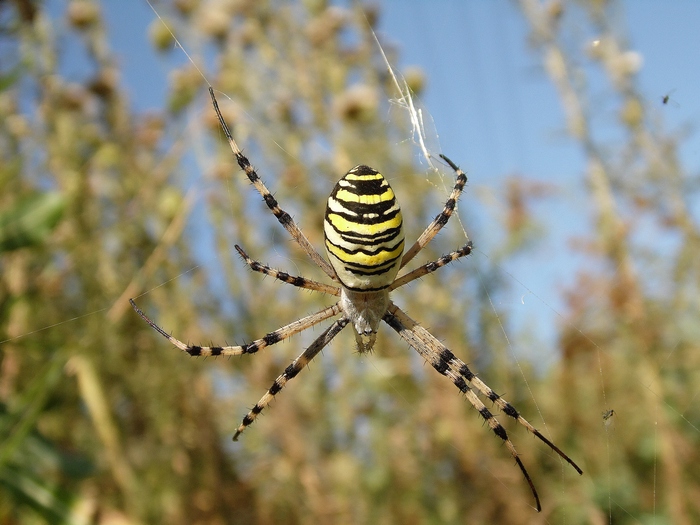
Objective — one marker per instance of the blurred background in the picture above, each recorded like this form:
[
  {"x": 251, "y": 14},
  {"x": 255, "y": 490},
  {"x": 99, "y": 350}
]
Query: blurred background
[{"x": 576, "y": 123}]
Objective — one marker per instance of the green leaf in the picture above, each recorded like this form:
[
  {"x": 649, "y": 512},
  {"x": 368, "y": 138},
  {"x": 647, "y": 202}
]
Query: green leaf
[{"x": 30, "y": 221}]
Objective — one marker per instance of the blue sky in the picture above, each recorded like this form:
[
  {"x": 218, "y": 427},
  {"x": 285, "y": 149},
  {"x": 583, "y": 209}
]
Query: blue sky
[{"x": 495, "y": 112}]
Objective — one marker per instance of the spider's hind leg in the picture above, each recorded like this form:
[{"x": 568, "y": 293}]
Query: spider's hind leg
[
  {"x": 271, "y": 338},
  {"x": 434, "y": 353},
  {"x": 290, "y": 372},
  {"x": 463, "y": 370}
]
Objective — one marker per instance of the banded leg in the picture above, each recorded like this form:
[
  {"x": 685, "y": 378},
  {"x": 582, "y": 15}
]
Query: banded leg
[
  {"x": 301, "y": 282},
  {"x": 269, "y": 339},
  {"x": 282, "y": 216},
  {"x": 441, "y": 219},
  {"x": 290, "y": 372},
  {"x": 405, "y": 327},
  {"x": 463, "y": 370},
  {"x": 432, "y": 266},
  {"x": 460, "y": 368}
]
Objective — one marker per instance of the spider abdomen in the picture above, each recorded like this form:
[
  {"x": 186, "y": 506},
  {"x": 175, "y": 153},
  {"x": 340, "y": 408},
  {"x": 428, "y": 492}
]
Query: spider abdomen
[{"x": 363, "y": 229}]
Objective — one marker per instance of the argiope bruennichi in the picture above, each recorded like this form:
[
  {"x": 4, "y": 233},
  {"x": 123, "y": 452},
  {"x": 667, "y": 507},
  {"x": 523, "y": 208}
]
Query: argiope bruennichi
[{"x": 364, "y": 239}]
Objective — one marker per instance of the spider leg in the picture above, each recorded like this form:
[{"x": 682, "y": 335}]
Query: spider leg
[
  {"x": 432, "y": 353},
  {"x": 441, "y": 219},
  {"x": 460, "y": 368},
  {"x": 269, "y": 339},
  {"x": 282, "y": 216},
  {"x": 291, "y": 371},
  {"x": 463, "y": 370},
  {"x": 301, "y": 282},
  {"x": 431, "y": 266}
]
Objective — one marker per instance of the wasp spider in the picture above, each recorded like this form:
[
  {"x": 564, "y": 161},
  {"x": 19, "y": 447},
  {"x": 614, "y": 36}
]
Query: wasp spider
[{"x": 364, "y": 240}]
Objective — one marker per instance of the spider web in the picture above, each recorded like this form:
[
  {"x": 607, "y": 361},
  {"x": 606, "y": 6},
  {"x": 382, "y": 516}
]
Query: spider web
[
  {"x": 611, "y": 433},
  {"x": 425, "y": 139},
  {"x": 613, "y": 426}
]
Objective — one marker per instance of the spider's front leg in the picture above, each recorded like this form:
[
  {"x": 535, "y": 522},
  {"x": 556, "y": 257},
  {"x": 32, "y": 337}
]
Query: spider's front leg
[
  {"x": 301, "y": 282},
  {"x": 282, "y": 216},
  {"x": 441, "y": 219}
]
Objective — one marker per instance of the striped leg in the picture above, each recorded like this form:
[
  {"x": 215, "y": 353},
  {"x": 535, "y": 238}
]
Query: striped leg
[
  {"x": 291, "y": 371},
  {"x": 282, "y": 216},
  {"x": 406, "y": 328},
  {"x": 460, "y": 368},
  {"x": 441, "y": 219},
  {"x": 301, "y": 282},
  {"x": 431, "y": 266},
  {"x": 463, "y": 370},
  {"x": 270, "y": 339}
]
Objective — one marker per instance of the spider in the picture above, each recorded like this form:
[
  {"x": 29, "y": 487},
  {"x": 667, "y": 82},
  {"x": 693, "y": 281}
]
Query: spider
[{"x": 363, "y": 230}]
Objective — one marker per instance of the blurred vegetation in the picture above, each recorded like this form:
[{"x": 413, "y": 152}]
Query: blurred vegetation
[{"x": 102, "y": 421}]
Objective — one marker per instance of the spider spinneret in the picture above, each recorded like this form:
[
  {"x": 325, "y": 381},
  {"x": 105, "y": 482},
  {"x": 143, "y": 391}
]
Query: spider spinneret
[{"x": 364, "y": 238}]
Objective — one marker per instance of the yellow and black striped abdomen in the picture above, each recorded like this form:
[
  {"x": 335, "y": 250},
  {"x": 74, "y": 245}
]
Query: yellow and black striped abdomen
[{"x": 364, "y": 230}]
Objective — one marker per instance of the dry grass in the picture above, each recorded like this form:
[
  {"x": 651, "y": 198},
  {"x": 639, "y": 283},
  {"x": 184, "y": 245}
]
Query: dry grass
[{"x": 103, "y": 422}]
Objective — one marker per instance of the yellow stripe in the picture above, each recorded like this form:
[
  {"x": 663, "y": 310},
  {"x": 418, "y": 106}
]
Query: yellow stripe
[
  {"x": 374, "y": 198},
  {"x": 363, "y": 258},
  {"x": 352, "y": 176},
  {"x": 344, "y": 225}
]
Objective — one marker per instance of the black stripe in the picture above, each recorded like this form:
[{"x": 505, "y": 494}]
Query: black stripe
[
  {"x": 393, "y": 321},
  {"x": 501, "y": 432},
  {"x": 291, "y": 371},
  {"x": 485, "y": 413},
  {"x": 509, "y": 410},
  {"x": 270, "y": 201},
  {"x": 440, "y": 366},
  {"x": 381, "y": 239},
  {"x": 362, "y": 209},
  {"x": 244, "y": 163},
  {"x": 365, "y": 289},
  {"x": 362, "y": 187},
  {"x": 250, "y": 349},
  {"x": 464, "y": 371},
  {"x": 359, "y": 269},
  {"x": 363, "y": 169},
  {"x": 361, "y": 220},
  {"x": 461, "y": 384},
  {"x": 447, "y": 355},
  {"x": 272, "y": 338},
  {"x": 366, "y": 252},
  {"x": 389, "y": 232},
  {"x": 367, "y": 273}
]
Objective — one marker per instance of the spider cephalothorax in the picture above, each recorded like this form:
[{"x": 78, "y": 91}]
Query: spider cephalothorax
[{"x": 364, "y": 237}]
